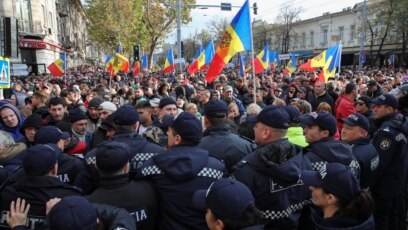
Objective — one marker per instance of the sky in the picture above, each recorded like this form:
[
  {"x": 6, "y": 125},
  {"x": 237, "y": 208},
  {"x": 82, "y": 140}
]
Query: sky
[{"x": 267, "y": 11}]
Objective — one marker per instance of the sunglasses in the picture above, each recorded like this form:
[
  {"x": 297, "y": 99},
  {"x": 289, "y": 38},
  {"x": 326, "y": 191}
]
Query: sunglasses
[{"x": 360, "y": 103}]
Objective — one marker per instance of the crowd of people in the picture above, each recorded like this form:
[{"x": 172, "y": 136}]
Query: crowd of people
[{"x": 156, "y": 151}]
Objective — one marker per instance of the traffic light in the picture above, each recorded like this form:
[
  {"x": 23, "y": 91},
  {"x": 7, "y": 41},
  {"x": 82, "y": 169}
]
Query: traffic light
[
  {"x": 255, "y": 7},
  {"x": 136, "y": 53}
]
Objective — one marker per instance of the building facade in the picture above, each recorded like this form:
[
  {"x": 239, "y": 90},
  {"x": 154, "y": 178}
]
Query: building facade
[
  {"x": 312, "y": 36},
  {"x": 46, "y": 29}
]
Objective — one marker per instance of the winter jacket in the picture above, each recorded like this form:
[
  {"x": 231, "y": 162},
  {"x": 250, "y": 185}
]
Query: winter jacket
[
  {"x": 368, "y": 159},
  {"x": 330, "y": 151},
  {"x": 272, "y": 173},
  {"x": 222, "y": 144},
  {"x": 177, "y": 174}
]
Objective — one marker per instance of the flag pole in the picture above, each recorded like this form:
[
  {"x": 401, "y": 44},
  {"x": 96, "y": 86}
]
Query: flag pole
[
  {"x": 252, "y": 56},
  {"x": 340, "y": 51}
]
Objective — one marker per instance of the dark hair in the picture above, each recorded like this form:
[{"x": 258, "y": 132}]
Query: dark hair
[
  {"x": 57, "y": 101},
  {"x": 217, "y": 121},
  {"x": 350, "y": 87},
  {"x": 360, "y": 208},
  {"x": 143, "y": 105},
  {"x": 252, "y": 217},
  {"x": 100, "y": 91}
]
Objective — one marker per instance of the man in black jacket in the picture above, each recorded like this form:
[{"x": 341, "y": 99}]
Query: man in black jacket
[
  {"x": 138, "y": 198},
  {"x": 39, "y": 185},
  {"x": 219, "y": 140},
  {"x": 180, "y": 171},
  {"x": 273, "y": 170}
]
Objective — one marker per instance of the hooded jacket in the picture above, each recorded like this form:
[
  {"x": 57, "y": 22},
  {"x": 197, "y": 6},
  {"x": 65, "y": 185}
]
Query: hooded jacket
[
  {"x": 222, "y": 143},
  {"x": 340, "y": 223},
  {"x": 13, "y": 157},
  {"x": 330, "y": 151},
  {"x": 14, "y": 131},
  {"x": 272, "y": 173},
  {"x": 177, "y": 174}
]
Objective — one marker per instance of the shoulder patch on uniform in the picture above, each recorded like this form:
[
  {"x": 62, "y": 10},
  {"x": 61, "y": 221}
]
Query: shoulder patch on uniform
[
  {"x": 401, "y": 137},
  {"x": 385, "y": 144}
]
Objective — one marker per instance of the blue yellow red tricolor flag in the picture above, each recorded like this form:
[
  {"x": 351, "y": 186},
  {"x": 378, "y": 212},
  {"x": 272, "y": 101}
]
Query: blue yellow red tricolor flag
[
  {"x": 307, "y": 66},
  {"x": 118, "y": 63},
  {"x": 57, "y": 68},
  {"x": 199, "y": 51},
  {"x": 169, "y": 63},
  {"x": 236, "y": 38},
  {"x": 331, "y": 58},
  {"x": 200, "y": 61},
  {"x": 291, "y": 66},
  {"x": 273, "y": 59},
  {"x": 261, "y": 61}
]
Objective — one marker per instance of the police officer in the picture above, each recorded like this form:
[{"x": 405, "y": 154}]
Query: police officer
[
  {"x": 320, "y": 128},
  {"x": 272, "y": 171},
  {"x": 138, "y": 198},
  {"x": 71, "y": 169},
  {"x": 126, "y": 122},
  {"x": 355, "y": 133},
  {"x": 180, "y": 171},
  {"x": 218, "y": 138},
  {"x": 390, "y": 140},
  {"x": 229, "y": 205},
  {"x": 40, "y": 185}
]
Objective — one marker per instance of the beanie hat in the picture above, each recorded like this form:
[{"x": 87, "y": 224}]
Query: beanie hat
[
  {"x": 32, "y": 121},
  {"x": 77, "y": 115},
  {"x": 95, "y": 103}
]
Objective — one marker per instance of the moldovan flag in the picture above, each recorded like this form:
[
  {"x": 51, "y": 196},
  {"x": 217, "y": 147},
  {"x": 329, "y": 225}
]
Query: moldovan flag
[
  {"x": 199, "y": 62},
  {"x": 291, "y": 66},
  {"x": 199, "y": 51},
  {"x": 321, "y": 59},
  {"x": 307, "y": 66},
  {"x": 333, "y": 55},
  {"x": 236, "y": 38},
  {"x": 57, "y": 67},
  {"x": 136, "y": 68},
  {"x": 261, "y": 61},
  {"x": 169, "y": 63},
  {"x": 273, "y": 58},
  {"x": 209, "y": 54},
  {"x": 120, "y": 63}
]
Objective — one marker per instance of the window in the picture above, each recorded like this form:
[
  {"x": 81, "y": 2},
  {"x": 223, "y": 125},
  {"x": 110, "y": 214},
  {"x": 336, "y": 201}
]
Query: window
[
  {"x": 43, "y": 14},
  {"x": 312, "y": 38},
  {"x": 303, "y": 39},
  {"x": 352, "y": 32},
  {"x": 325, "y": 34},
  {"x": 23, "y": 13},
  {"x": 341, "y": 33},
  {"x": 50, "y": 24}
]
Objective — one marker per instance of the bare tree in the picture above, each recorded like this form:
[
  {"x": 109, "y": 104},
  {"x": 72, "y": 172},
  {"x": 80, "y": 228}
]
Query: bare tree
[
  {"x": 217, "y": 28},
  {"x": 284, "y": 25}
]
